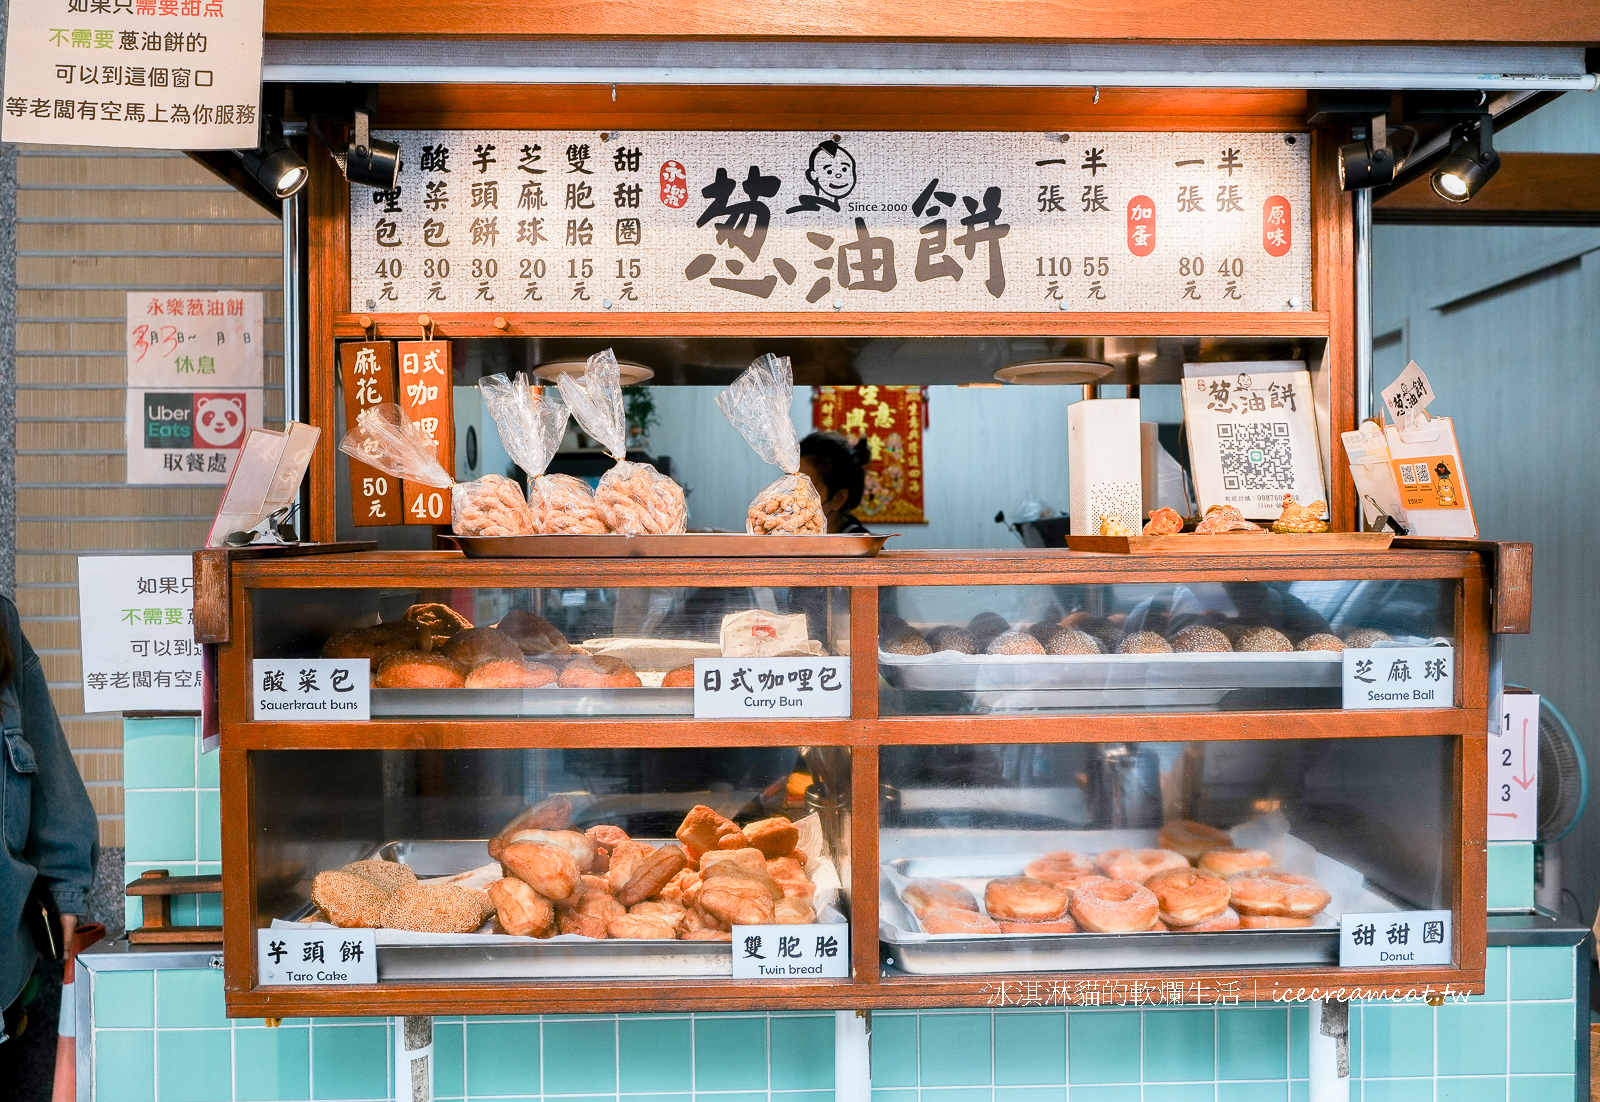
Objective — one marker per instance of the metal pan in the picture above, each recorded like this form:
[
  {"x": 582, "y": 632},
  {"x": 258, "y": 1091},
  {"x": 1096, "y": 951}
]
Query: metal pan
[
  {"x": 690, "y": 545},
  {"x": 532, "y": 702},
  {"x": 948, "y": 670}
]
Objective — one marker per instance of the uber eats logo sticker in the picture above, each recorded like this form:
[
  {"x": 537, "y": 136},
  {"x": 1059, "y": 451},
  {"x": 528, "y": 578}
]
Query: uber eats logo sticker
[{"x": 193, "y": 420}]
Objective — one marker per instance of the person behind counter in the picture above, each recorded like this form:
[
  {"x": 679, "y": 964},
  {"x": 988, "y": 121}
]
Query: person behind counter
[
  {"x": 838, "y": 471},
  {"x": 47, "y": 856}
]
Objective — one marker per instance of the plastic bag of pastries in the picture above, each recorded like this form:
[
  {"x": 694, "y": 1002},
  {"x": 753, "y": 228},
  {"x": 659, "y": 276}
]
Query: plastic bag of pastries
[
  {"x": 634, "y": 499},
  {"x": 757, "y": 404},
  {"x": 531, "y": 421}
]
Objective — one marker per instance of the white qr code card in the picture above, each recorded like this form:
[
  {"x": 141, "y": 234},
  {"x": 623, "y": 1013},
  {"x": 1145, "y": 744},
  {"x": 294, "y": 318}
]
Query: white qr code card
[{"x": 1252, "y": 434}]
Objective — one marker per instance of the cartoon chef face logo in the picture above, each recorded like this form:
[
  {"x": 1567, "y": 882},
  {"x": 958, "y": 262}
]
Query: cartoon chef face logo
[
  {"x": 218, "y": 420},
  {"x": 831, "y": 172}
]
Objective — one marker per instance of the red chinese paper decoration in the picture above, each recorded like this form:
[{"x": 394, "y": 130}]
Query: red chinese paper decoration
[{"x": 891, "y": 420}]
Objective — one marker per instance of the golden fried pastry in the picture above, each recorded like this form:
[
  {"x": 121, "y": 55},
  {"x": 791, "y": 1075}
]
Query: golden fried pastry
[
  {"x": 1224, "y": 518},
  {"x": 440, "y": 621},
  {"x": 1225, "y": 919},
  {"x": 1114, "y": 907},
  {"x": 551, "y": 814},
  {"x": 501, "y": 673},
  {"x": 650, "y": 927},
  {"x": 695, "y": 920},
  {"x": 1191, "y": 839},
  {"x": 1061, "y": 865},
  {"x": 623, "y": 857},
  {"x": 985, "y": 626},
  {"x": 671, "y": 913},
  {"x": 605, "y": 838},
  {"x": 1363, "y": 638},
  {"x": 1273, "y": 922},
  {"x": 347, "y": 899},
  {"x": 952, "y": 638},
  {"x": 1062, "y": 925},
  {"x": 1186, "y": 896},
  {"x": 790, "y": 507},
  {"x": 702, "y": 829},
  {"x": 377, "y": 642},
  {"x": 775, "y": 837},
  {"x": 1023, "y": 899},
  {"x": 547, "y": 869},
  {"x": 1072, "y": 641},
  {"x": 581, "y": 846},
  {"x": 519, "y": 909},
  {"x": 906, "y": 641},
  {"x": 1200, "y": 639},
  {"x": 583, "y": 923},
  {"x": 1015, "y": 643},
  {"x": 410, "y": 669},
  {"x": 564, "y": 506},
  {"x": 650, "y": 874},
  {"x": 600, "y": 906},
  {"x": 731, "y": 871},
  {"x": 789, "y": 911},
  {"x": 1229, "y": 861},
  {"x": 1163, "y": 522},
  {"x": 533, "y": 634},
  {"x": 1139, "y": 865},
  {"x": 1301, "y": 519},
  {"x": 1143, "y": 642},
  {"x": 490, "y": 506},
  {"x": 1322, "y": 640},
  {"x": 388, "y": 875},
  {"x": 680, "y": 678},
  {"x": 477, "y": 645},
  {"x": 436, "y": 909},
  {"x": 922, "y": 896},
  {"x": 737, "y": 902},
  {"x": 683, "y": 888},
  {"x": 1113, "y": 526},
  {"x": 598, "y": 672},
  {"x": 785, "y": 868},
  {"x": 1264, "y": 639},
  {"x": 957, "y": 921},
  {"x": 1277, "y": 894}
]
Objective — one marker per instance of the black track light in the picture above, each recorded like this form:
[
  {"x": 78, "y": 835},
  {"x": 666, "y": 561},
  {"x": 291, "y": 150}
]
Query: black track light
[
  {"x": 1471, "y": 163},
  {"x": 274, "y": 163},
  {"x": 363, "y": 159},
  {"x": 1368, "y": 162}
]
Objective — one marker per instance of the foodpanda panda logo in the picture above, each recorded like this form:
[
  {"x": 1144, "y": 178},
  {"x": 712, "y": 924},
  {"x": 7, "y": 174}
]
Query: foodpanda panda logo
[{"x": 219, "y": 420}]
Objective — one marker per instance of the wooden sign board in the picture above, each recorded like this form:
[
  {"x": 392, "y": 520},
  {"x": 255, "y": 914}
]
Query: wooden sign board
[
  {"x": 366, "y": 371},
  {"x": 425, "y": 394}
]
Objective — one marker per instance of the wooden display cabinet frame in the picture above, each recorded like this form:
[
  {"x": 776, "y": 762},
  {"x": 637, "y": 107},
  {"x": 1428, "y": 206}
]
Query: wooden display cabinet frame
[{"x": 1490, "y": 580}]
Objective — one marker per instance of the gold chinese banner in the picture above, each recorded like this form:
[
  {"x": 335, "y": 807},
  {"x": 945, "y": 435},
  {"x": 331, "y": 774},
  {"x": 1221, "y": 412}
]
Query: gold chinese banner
[{"x": 891, "y": 420}]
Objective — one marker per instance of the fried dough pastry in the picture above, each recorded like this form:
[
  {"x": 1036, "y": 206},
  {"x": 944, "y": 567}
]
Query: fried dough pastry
[
  {"x": 583, "y": 922},
  {"x": 790, "y": 507},
  {"x": 748, "y": 856},
  {"x": 1301, "y": 519},
  {"x": 641, "y": 926},
  {"x": 598, "y": 672},
  {"x": 1163, "y": 522},
  {"x": 441, "y": 621},
  {"x": 605, "y": 838},
  {"x": 671, "y": 913},
  {"x": 775, "y": 837},
  {"x": 519, "y": 909},
  {"x": 703, "y": 829},
  {"x": 474, "y": 646},
  {"x": 490, "y": 506},
  {"x": 547, "y": 869},
  {"x": 581, "y": 846},
  {"x": 736, "y": 901},
  {"x": 1224, "y": 518},
  {"x": 503, "y": 673},
  {"x": 650, "y": 874},
  {"x": 696, "y": 920},
  {"x": 347, "y": 899},
  {"x": 635, "y": 499},
  {"x": 728, "y": 872},
  {"x": 623, "y": 858},
  {"x": 533, "y": 634},
  {"x": 680, "y": 678},
  {"x": 552, "y": 814},
  {"x": 388, "y": 875},
  {"x": 411, "y": 669},
  {"x": 793, "y": 912},
  {"x": 441, "y": 909},
  {"x": 683, "y": 888},
  {"x": 564, "y": 506}
]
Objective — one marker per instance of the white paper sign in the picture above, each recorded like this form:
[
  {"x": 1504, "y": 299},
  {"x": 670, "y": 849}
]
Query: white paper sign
[
  {"x": 311, "y": 688},
  {"x": 771, "y": 688},
  {"x": 1514, "y": 770},
  {"x": 1408, "y": 393},
  {"x": 136, "y": 626},
  {"x": 1399, "y": 677},
  {"x": 145, "y": 74},
  {"x": 316, "y": 956},
  {"x": 195, "y": 341},
  {"x": 187, "y": 437},
  {"x": 1397, "y": 938},
  {"x": 785, "y": 953},
  {"x": 1252, "y": 435}
]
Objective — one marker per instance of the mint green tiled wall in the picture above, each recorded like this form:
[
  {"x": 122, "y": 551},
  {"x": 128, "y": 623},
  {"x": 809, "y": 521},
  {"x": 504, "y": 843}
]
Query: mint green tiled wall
[{"x": 172, "y": 816}]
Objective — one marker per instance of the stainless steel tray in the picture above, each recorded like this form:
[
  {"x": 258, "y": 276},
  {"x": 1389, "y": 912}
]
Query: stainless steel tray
[
  {"x": 949, "y": 671},
  {"x": 533, "y": 702},
  {"x": 689, "y": 545}
]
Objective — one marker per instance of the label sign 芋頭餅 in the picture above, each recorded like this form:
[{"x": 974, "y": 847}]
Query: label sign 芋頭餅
[
  {"x": 816, "y": 951},
  {"x": 1394, "y": 938},
  {"x": 1399, "y": 677},
  {"x": 771, "y": 688},
  {"x": 136, "y": 623},
  {"x": 314, "y": 955},
  {"x": 1514, "y": 769},
  {"x": 311, "y": 688}
]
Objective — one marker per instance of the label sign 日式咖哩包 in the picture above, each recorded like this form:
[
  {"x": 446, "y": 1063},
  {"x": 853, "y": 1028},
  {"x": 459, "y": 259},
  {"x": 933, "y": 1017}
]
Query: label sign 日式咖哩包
[
  {"x": 771, "y": 688},
  {"x": 1399, "y": 677},
  {"x": 291, "y": 689},
  {"x": 316, "y": 955},
  {"x": 1394, "y": 938},
  {"x": 503, "y": 221},
  {"x": 782, "y": 953}
]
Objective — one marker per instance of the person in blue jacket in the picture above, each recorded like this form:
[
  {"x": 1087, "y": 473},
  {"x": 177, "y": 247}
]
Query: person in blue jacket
[{"x": 50, "y": 837}]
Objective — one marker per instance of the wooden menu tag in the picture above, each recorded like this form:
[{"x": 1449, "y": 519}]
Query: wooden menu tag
[
  {"x": 425, "y": 394},
  {"x": 366, "y": 371}
]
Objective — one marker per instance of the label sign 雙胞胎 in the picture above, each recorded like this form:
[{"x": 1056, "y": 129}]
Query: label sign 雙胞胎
[
  {"x": 1394, "y": 938},
  {"x": 768, "y": 688},
  {"x": 316, "y": 956},
  {"x": 311, "y": 688},
  {"x": 1399, "y": 677},
  {"x": 817, "y": 951}
]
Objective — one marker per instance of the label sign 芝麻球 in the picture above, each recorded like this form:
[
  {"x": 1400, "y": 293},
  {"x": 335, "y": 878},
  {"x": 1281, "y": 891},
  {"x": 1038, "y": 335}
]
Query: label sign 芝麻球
[
  {"x": 1399, "y": 677},
  {"x": 316, "y": 955},
  {"x": 1396, "y": 938},
  {"x": 817, "y": 951},
  {"x": 311, "y": 688},
  {"x": 771, "y": 688}
]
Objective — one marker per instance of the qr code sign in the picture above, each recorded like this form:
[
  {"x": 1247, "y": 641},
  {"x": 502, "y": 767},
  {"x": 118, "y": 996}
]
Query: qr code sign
[{"x": 1256, "y": 456}]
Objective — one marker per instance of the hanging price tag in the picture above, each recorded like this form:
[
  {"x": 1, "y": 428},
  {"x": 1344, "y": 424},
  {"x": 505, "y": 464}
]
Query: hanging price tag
[
  {"x": 1514, "y": 770},
  {"x": 1408, "y": 393}
]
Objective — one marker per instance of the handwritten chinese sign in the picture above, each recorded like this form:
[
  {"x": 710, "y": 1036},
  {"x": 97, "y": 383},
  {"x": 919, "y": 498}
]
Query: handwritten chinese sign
[
  {"x": 136, "y": 626},
  {"x": 195, "y": 340},
  {"x": 1394, "y": 938},
  {"x": 1514, "y": 769},
  {"x": 786, "y": 953},
  {"x": 311, "y": 688},
  {"x": 771, "y": 688},
  {"x": 563, "y": 221},
  {"x": 316, "y": 955},
  {"x": 150, "y": 74},
  {"x": 1399, "y": 677}
]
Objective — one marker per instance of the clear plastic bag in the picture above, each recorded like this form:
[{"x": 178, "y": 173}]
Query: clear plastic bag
[
  {"x": 531, "y": 424},
  {"x": 564, "y": 506},
  {"x": 757, "y": 404},
  {"x": 388, "y": 440},
  {"x": 635, "y": 499},
  {"x": 491, "y": 506}
]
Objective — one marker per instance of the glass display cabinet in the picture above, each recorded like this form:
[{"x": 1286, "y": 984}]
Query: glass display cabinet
[{"x": 1022, "y": 730}]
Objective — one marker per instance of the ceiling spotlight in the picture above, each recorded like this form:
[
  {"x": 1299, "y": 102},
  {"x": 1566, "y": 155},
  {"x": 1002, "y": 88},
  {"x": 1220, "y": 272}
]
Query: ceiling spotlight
[
  {"x": 1471, "y": 163},
  {"x": 1368, "y": 162},
  {"x": 274, "y": 163},
  {"x": 363, "y": 159}
]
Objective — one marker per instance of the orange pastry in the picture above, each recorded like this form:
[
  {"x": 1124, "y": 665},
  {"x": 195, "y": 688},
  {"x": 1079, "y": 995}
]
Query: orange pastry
[{"x": 1163, "y": 522}]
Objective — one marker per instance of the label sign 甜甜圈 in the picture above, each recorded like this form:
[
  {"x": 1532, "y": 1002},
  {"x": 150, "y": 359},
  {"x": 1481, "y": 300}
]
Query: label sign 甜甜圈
[
  {"x": 316, "y": 956},
  {"x": 771, "y": 688},
  {"x": 1394, "y": 938},
  {"x": 311, "y": 688},
  {"x": 791, "y": 952},
  {"x": 1399, "y": 677}
]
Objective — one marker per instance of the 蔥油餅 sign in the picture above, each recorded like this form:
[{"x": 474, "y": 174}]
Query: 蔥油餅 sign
[{"x": 145, "y": 74}]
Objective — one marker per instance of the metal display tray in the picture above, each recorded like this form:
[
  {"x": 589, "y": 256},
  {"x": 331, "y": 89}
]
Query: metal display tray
[
  {"x": 690, "y": 545},
  {"x": 532, "y": 702},
  {"x": 951, "y": 671}
]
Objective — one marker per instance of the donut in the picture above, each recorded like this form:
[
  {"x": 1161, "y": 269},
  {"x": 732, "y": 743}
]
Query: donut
[
  {"x": 1362, "y": 638},
  {"x": 923, "y": 896},
  {"x": 680, "y": 678},
  {"x": 956, "y": 921},
  {"x": 533, "y": 634},
  {"x": 1278, "y": 894},
  {"x": 953, "y": 638},
  {"x": 1072, "y": 641},
  {"x": 1191, "y": 839},
  {"x": 476, "y": 645},
  {"x": 1264, "y": 639},
  {"x": 598, "y": 672},
  {"x": 1073, "y": 883},
  {"x": 1061, "y": 865},
  {"x": 1186, "y": 896},
  {"x": 503, "y": 673},
  {"x": 1322, "y": 640},
  {"x": 410, "y": 669},
  {"x": 1229, "y": 861},
  {"x": 1225, "y": 919},
  {"x": 1014, "y": 642},
  {"x": 1200, "y": 639},
  {"x": 985, "y": 626},
  {"x": 907, "y": 642},
  {"x": 1063, "y": 925},
  {"x": 1273, "y": 922},
  {"x": 1143, "y": 642},
  {"x": 1023, "y": 899},
  {"x": 1114, "y": 907},
  {"x": 1138, "y": 865}
]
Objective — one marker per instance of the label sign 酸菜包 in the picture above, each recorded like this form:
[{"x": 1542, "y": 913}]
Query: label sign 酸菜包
[
  {"x": 771, "y": 688},
  {"x": 818, "y": 951},
  {"x": 311, "y": 688},
  {"x": 1399, "y": 677},
  {"x": 316, "y": 955},
  {"x": 1394, "y": 938}
]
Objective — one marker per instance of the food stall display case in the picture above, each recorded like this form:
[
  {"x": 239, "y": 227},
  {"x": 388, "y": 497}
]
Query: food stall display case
[{"x": 974, "y": 772}]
